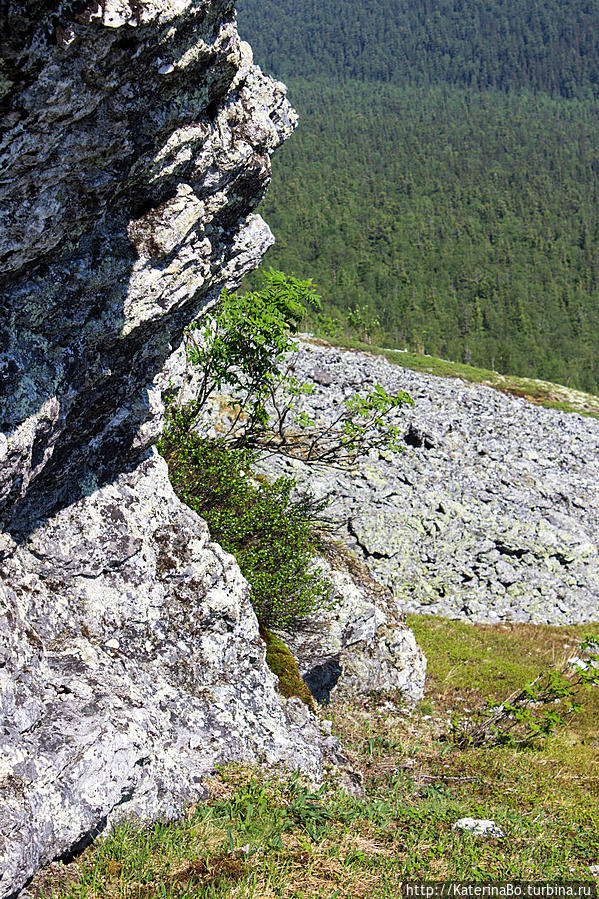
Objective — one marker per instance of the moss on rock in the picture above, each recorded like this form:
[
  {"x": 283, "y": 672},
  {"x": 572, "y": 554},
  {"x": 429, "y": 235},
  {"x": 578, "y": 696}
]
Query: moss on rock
[{"x": 282, "y": 663}]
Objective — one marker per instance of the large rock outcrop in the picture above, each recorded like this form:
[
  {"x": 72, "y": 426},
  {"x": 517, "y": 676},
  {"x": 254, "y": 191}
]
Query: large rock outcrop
[
  {"x": 136, "y": 141},
  {"x": 130, "y": 665}
]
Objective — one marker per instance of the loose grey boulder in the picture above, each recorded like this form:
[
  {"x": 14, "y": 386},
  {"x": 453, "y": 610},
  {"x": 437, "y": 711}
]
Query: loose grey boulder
[
  {"x": 479, "y": 827},
  {"x": 360, "y": 643}
]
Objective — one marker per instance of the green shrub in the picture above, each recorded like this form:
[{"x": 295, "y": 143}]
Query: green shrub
[
  {"x": 241, "y": 344},
  {"x": 245, "y": 345},
  {"x": 270, "y": 533}
]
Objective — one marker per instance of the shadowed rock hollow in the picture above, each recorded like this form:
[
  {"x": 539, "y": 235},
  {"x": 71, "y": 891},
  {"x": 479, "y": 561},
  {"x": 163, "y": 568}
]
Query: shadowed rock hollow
[{"x": 135, "y": 143}]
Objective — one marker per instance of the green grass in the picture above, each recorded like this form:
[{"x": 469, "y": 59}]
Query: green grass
[
  {"x": 262, "y": 836},
  {"x": 541, "y": 393}
]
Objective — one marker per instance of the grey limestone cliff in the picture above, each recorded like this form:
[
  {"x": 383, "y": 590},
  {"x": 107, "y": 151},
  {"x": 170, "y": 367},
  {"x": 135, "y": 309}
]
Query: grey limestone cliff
[{"x": 130, "y": 665}]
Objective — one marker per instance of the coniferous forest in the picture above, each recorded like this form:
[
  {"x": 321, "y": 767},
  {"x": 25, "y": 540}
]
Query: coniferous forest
[{"x": 442, "y": 187}]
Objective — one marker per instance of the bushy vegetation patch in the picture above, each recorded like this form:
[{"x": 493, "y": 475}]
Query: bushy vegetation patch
[
  {"x": 270, "y": 531},
  {"x": 243, "y": 350},
  {"x": 242, "y": 347}
]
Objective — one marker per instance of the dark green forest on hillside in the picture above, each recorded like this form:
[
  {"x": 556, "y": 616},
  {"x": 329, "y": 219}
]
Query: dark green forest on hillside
[
  {"x": 445, "y": 175},
  {"x": 547, "y": 45}
]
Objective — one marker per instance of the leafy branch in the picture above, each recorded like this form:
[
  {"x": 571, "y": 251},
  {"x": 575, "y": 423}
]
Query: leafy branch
[
  {"x": 533, "y": 712},
  {"x": 243, "y": 347},
  {"x": 361, "y": 424}
]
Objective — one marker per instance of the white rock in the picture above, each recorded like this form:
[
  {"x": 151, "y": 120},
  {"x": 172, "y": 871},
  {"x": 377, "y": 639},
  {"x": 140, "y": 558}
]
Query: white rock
[
  {"x": 360, "y": 643},
  {"x": 94, "y": 734},
  {"x": 479, "y": 827}
]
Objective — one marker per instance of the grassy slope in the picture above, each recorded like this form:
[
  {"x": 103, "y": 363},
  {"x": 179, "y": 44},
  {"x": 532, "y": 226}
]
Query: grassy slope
[
  {"x": 326, "y": 844},
  {"x": 542, "y": 393}
]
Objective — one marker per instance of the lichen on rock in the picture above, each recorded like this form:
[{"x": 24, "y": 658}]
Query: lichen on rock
[
  {"x": 358, "y": 643},
  {"x": 491, "y": 512},
  {"x": 132, "y": 156},
  {"x": 135, "y": 145}
]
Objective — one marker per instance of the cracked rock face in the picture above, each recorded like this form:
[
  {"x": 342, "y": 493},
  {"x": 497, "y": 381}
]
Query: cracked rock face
[
  {"x": 135, "y": 144},
  {"x": 130, "y": 665},
  {"x": 490, "y": 514}
]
